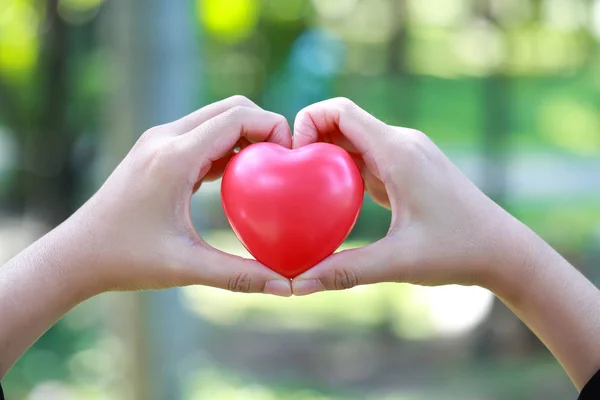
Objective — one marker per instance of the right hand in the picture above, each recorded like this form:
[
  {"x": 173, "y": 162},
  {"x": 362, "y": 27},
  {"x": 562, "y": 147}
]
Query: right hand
[
  {"x": 444, "y": 230},
  {"x": 136, "y": 231}
]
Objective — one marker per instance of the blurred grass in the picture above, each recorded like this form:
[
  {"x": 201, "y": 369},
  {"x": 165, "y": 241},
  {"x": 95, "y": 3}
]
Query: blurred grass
[{"x": 537, "y": 378}]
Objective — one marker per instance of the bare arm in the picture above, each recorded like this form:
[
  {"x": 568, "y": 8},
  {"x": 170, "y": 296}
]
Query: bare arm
[
  {"x": 135, "y": 232},
  {"x": 37, "y": 287},
  {"x": 444, "y": 230},
  {"x": 556, "y": 301}
]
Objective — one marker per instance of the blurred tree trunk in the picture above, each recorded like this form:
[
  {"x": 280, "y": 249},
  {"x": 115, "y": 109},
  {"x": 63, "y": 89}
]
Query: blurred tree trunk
[
  {"x": 45, "y": 181},
  {"x": 503, "y": 334},
  {"x": 155, "y": 68},
  {"x": 403, "y": 85}
]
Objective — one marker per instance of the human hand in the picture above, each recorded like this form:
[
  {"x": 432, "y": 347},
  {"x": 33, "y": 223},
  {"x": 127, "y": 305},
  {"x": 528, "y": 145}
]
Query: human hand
[
  {"x": 444, "y": 230},
  {"x": 136, "y": 231}
]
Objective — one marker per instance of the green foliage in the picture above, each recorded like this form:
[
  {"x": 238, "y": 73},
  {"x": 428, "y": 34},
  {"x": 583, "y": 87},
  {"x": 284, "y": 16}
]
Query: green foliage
[
  {"x": 48, "y": 359},
  {"x": 373, "y": 222},
  {"x": 19, "y": 41}
]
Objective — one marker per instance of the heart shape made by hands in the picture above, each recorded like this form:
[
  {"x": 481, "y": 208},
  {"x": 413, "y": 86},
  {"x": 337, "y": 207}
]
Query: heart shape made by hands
[{"x": 292, "y": 208}]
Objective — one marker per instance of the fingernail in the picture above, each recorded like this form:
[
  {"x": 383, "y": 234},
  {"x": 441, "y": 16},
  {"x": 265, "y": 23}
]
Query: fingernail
[
  {"x": 302, "y": 288},
  {"x": 278, "y": 288}
]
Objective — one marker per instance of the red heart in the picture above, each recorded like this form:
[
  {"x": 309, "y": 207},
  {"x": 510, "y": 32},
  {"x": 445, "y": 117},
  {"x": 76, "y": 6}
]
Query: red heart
[{"x": 292, "y": 208}]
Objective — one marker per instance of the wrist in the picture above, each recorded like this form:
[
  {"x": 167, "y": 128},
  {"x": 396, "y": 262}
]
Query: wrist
[
  {"x": 516, "y": 262},
  {"x": 40, "y": 285},
  {"x": 68, "y": 253}
]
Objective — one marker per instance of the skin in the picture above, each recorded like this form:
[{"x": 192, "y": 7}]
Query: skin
[
  {"x": 135, "y": 233},
  {"x": 444, "y": 230}
]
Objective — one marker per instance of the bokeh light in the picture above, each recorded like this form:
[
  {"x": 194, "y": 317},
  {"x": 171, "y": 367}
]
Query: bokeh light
[
  {"x": 229, "y": 20},
  {"x": 19, "y": 24}
]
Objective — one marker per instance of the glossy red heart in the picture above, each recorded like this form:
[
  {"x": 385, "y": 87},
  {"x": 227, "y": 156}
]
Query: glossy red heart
[{"x": 292, "y": 208}]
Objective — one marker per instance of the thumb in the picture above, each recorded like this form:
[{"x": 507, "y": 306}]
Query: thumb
[
  {"x": 349, "y": 268},
  {"x": 211, "y": 267}
]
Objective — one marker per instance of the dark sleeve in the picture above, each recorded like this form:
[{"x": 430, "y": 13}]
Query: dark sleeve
[
  {"x": 1, "y": 393},
  {"x": 591, "y": 391}
]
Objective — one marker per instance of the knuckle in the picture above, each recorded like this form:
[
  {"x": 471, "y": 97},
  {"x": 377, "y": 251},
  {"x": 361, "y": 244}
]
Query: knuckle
[
  {"x": 304, "y": 121},
  {"x": 240, "y": 282},
  {"x": 345, "y": 104},
  {"x": 280, "y": 120},
  {"x": 239, "y": 100},
  {"x": 414, "y": 147},
  {"x": 301, "y": 115},
  {"x": 154, "y": 130},
  {"x": 345, "y": 278},
  {"x": 415, "y": 134},
  {"x": 235, "y": 112},
  {"x": 151, "y": 133},
  {"x": 158, "y": 159}
]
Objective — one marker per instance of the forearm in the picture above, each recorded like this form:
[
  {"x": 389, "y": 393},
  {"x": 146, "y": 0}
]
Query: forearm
[
  {"x": 136, "y": 232},
  {"x": 37, "y": 288},
  {"x": 554, "y": 300}
]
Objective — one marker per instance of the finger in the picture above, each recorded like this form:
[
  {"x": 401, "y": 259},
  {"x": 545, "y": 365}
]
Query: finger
[
  {"x": 365, "y": 132},
  {"x": 212, "y": 267},
  {"x": 347, "y": 269},
  {"x": 196, "y": 187},
  {"x": 218, "y": 167},
  {"x": 198, "y": 117},
  {"x": 218, "y": 136},
  {"x": 376, "y": 188}
]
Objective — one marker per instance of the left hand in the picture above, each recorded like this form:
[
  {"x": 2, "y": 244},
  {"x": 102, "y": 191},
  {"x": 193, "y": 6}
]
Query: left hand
[{"x": 444, "y": 230}]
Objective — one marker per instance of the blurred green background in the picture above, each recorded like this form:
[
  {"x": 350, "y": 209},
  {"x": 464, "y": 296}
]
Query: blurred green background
[{"x": 510, "y": 89}]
